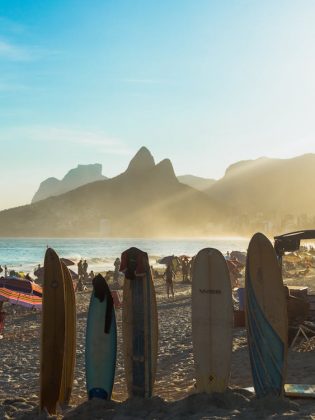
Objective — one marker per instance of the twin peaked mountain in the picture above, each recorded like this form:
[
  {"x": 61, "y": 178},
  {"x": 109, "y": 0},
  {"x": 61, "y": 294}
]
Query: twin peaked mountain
[
  {"x": 149, "y": 200},
  {"x": 146, "y": 200}
]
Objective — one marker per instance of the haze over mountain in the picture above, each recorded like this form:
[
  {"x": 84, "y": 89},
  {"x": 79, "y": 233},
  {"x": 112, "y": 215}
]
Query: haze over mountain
[
  {"x": 196, "y": 182},
  {"x": 85, "y": 174},
  {"x": 76, "y": 177},
  {"x": 148, "y": 200},
  {"x": 145, "y": 200},
  {"x": 270, "y": 186}
]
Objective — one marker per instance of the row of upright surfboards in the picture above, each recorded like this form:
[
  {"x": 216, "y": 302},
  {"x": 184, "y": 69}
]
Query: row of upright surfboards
[{"x": 212, "y": 323}]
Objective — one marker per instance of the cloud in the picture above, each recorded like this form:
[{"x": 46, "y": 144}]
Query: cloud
[
  {"x": 56, "y": 134},
  {"x": 13, "y": 52},
  {"x": 144, "y": 81}
]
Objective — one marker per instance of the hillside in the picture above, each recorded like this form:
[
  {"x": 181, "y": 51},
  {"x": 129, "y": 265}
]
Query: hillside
[
  {"x": 76, "y": 177},
  {"x": 197, "y": 182},
  {"x": 145, "y": 200},
  {"x": 269, "y": 186}
]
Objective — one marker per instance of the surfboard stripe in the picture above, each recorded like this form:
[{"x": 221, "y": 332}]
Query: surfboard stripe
[{"x": 266, "y": 350}]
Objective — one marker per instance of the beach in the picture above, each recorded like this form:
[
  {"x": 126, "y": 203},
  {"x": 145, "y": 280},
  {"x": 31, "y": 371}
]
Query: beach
[{"x": 174, "y": 391}]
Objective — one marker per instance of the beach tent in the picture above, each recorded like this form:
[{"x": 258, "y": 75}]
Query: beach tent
[
  {"x": 290, "y": 242},
  {"x": 20, "y": 292}
]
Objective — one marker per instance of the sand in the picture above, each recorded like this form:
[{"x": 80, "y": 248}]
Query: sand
[{"x": 174, "y": 392}]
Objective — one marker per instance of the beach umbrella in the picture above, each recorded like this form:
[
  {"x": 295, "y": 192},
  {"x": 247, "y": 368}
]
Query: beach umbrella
[
  {"x": 21, "y": 292},
  {"x": 166, "y": 260},
  {"x": 39, "y": 273},
  {"x": 74, "y": 275},
  {"x": 67, "y": 262}
]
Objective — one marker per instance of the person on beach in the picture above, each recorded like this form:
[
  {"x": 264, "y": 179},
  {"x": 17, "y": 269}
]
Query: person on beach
[
  {"x": 185, "y": 270},
  {"x": 91, "y": 275},
  {"x": 169, "y": 280},
  {"x": 80, "y": 269},
  {"x": 5, "y": 271},
  {"x": 1, "y": 269},
  {"x": 84, "y": 270},
  {"x": 116, "y": 272}
]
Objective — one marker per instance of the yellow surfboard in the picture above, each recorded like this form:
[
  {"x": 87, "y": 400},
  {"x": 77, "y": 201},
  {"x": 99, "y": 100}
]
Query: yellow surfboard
[
  {"x": 70, "y": 338},
  {"x": 52, "y": 332}
]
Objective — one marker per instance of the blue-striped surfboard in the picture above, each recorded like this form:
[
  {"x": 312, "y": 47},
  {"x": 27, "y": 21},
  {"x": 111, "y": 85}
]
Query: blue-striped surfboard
[{"x": 266, "y": 318}]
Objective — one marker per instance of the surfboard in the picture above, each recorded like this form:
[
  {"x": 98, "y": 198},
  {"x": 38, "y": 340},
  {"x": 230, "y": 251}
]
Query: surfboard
[
  {"x": 139, "y": 324},
  {"x": 52, "y": 332},
  {"x": 212, "y": 321},
  {"x": 101, "y": 342},
  {"x": 295, "y": 390},
  {"x": 70, "y": 338},
  {"x": 299, "y": 390},
  {"x": 266, "y": 317}
]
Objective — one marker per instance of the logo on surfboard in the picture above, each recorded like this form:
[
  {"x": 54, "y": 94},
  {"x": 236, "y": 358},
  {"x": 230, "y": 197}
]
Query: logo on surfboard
[{"x": 211, "y": 291}]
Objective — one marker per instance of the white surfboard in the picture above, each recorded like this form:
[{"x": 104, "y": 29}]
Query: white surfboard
[{"x": 212, "y": 321}]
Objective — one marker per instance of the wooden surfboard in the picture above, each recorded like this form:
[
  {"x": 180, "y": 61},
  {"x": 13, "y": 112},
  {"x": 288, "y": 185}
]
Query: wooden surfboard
[
  {"x": 101, "y": 342},
  {"x": 212, "y": 321},
  {"x": 140, "y": 325},
  {"x": 52, "y": 332},
  {"x": 70, "y": 338},
  {"x": 266, "y": 317}
]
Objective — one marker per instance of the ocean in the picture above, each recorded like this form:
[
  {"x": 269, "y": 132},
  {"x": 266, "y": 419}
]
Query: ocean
[{"x": 24, "y": 254}]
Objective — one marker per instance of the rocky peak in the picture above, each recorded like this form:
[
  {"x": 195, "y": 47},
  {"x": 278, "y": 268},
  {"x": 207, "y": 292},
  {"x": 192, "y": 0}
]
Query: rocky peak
[
  {"x": 166, "y": 170},
  {"x": 76, "y": 177},
  {"x": 142, "y": 161}
]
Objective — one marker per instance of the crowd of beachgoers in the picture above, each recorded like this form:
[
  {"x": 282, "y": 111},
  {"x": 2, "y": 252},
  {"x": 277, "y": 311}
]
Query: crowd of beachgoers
[{"x": 174, "y": 391}]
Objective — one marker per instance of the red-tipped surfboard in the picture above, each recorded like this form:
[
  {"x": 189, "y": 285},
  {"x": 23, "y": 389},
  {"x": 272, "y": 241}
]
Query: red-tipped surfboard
[
  {"x": 52, "y": 332},
  {"x": 140, "y": 324},
  {"x": 212, "y": 321},
  {"x": 266, "y": 317}
]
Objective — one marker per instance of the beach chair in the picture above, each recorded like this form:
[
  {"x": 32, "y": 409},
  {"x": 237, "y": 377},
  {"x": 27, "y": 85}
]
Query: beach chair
[
  {"x": 117, "y": 298},
  {"x": 307, "y": 331}
]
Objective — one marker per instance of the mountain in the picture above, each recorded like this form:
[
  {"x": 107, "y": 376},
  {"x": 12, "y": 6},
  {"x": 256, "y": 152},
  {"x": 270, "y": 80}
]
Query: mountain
[
  {"x": 269, "y": 186},
  {"x": 196, "y": 182},
  {"x": 145, "y": 200},
  {"x": 81, "y": 175}
]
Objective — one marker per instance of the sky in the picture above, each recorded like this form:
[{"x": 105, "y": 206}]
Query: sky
[{"x": 205, "y": 83}]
